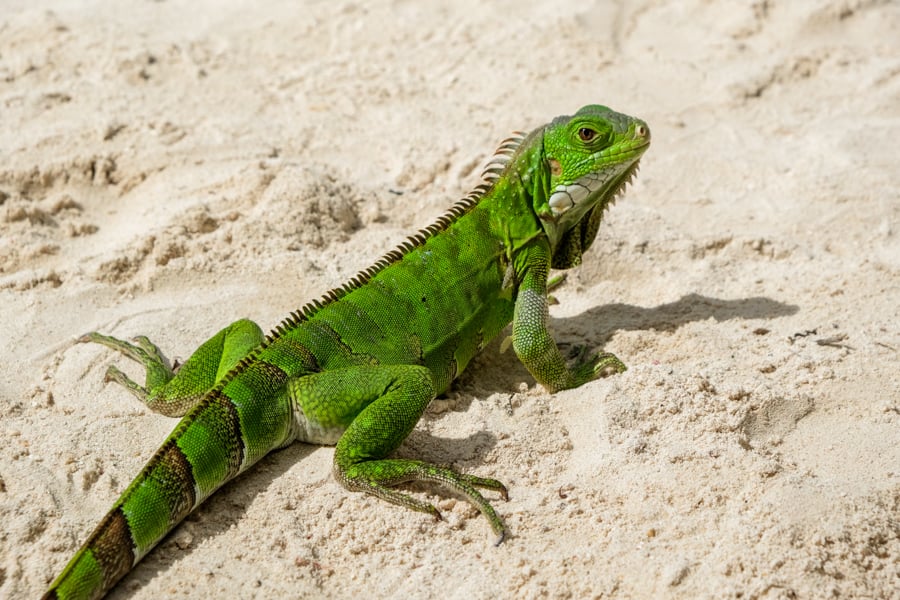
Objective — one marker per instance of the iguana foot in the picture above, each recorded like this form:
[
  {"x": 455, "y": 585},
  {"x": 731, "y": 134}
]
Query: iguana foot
[
  {"x": 142, "y": 351},
  {"x": 173, "y": 391},
  {"x": 378, "y": 477},
  {"x": 602, "y": 364}
]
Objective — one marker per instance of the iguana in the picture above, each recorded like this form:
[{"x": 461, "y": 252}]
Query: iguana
[{"x": 357, "y": 367}]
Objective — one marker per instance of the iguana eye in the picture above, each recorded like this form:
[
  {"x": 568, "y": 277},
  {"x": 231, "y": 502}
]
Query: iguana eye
[{"x": 586, "y": 134}]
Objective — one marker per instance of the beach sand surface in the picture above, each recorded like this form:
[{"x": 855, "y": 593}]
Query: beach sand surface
[{"x": 169, "y": 167}]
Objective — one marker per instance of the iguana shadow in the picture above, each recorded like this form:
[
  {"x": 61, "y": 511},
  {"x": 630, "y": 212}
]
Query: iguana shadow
[{"x": 493, "y": 372}]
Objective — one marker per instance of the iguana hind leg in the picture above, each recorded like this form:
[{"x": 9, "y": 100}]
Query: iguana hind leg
[
  {"x": 379, "y": 406},
  {"x": 172, "y": 392}
]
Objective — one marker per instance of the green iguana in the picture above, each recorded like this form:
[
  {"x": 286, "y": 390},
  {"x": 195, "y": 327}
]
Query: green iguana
[{"x": 357, "y": 367}]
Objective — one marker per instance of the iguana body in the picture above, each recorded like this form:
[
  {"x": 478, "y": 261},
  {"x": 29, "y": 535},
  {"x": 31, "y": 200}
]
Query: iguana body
[{"x": 358, "y": 367}]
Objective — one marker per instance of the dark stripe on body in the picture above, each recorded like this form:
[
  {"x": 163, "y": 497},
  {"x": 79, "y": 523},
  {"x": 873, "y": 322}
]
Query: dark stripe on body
[
  {"x": 113, "y": 547},
  {"x": 272, "y": 375},
  {"x": 175, "y": 474},
  {"x": 260, "y": 400},
  {"x": 211, "y": 442},
  {"x": 231, "y": 431}
]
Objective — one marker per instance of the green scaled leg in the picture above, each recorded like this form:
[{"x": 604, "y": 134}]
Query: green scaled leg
[
  {"x": 531, "y": 338},
  {"x": 379, "y": 406},
  {"x": 172, "y": 392}
]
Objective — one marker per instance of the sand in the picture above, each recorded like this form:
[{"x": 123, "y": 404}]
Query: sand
[{"x": 169, "y": 167}]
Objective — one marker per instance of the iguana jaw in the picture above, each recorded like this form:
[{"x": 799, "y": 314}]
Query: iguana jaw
[
  {"x": 569, "y": 203},
  {"x": 595, "y": 188}
]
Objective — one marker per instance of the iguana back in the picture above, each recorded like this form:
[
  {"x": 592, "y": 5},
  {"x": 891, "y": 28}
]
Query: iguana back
[{"x": 434, "y": 303}]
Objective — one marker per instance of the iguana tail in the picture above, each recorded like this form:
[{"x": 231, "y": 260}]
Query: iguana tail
[
  {"x": 236, "y": 423},
  {"x": 133, "y": 526}
]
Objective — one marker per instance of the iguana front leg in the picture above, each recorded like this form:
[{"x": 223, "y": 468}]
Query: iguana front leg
[
  {"x": 172, "y": 392},
  {"x": 531, "y": 338},
  {"x": 379, "y": 406}
]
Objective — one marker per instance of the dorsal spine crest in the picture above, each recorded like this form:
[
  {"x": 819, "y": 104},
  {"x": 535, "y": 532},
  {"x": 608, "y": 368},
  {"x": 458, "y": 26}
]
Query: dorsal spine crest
[{"x": 491, "y": 173}]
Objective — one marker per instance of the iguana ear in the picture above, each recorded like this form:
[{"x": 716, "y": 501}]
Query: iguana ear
[{"x": 577, "y": 240}]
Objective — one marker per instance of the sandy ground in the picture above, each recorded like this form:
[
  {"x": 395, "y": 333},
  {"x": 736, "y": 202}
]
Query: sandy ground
[{"x": 168, "y": 167}]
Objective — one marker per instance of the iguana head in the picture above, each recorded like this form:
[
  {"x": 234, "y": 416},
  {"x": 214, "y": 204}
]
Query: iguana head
[{"x": 587, "y": 160}]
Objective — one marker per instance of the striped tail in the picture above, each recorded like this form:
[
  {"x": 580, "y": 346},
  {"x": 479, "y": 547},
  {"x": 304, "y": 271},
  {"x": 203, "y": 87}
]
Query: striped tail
[
  {"x": 215, "y": 441},
  {"x": 158, "y": 499}
]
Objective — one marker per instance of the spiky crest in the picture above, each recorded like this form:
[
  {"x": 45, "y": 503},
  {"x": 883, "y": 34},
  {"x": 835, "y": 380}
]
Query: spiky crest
[{"x": 489, "y": 175}]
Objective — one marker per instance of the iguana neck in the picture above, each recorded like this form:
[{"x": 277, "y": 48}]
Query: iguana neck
[{"x": 525, "y": 188}]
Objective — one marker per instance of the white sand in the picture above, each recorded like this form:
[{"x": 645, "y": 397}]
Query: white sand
[{"x": 168, "y": 167}]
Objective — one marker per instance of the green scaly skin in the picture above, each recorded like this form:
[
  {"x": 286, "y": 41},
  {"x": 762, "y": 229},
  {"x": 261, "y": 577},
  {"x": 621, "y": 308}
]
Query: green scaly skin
[{"x": 358, "y": 367}]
